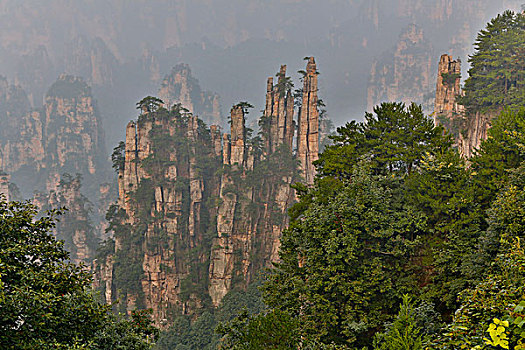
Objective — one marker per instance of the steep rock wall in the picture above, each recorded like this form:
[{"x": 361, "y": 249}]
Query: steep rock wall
[
  {"x": 201, "y": 213},
  {"x": 39, "y": 148},
  {"x": 468, "y": 129},
  {"x": 308, "y": 132}
]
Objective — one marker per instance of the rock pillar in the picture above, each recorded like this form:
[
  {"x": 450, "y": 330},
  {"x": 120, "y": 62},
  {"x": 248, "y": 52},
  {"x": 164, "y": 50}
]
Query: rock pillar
[
  {"x": 308, "y": 133},
  {"x": 278, "y": 113},
  {"x": 447, "y": 88}
]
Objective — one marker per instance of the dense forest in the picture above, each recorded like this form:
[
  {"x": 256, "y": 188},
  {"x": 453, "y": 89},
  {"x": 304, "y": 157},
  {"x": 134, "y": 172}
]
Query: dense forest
[{"x": 400, "y": 242}]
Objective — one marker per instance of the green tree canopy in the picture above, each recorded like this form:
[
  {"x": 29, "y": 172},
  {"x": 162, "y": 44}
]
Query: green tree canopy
[
  {"x": 497, "y": 73},
  {"x": 46, "y": 301},
  {"x": 394, "y": 138},
  {"x": 149, "y": 104}
]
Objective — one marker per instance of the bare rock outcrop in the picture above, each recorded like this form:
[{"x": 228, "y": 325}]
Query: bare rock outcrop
[
  {"x": 448, "y": 86},
  {"x": 4, "y": 186},
  {"x": 279, "y": 113},
  {"x": 75, "y": 227},
  {"x": 308, "y": 132},
  {"x": 468, "y": 129}
]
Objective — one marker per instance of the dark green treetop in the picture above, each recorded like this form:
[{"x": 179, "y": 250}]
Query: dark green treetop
[{"x": 497, "y": 73}]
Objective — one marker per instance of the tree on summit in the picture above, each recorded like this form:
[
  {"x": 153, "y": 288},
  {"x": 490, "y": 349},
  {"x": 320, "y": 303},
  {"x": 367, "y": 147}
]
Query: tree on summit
[{"x": 149, "y": 104}]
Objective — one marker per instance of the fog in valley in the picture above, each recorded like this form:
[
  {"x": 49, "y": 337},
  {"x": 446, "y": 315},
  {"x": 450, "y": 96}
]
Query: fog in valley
[{"x": 123, "y": 49}]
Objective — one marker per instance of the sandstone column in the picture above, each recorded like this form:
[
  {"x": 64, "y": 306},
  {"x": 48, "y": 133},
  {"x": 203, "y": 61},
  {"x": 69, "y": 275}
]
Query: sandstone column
[
  {"x": 308, "y": 134},
  {"x": 279, "y": 112},
  {"x": 4, "y": 186},
  {"x": 447, "y": 88}
]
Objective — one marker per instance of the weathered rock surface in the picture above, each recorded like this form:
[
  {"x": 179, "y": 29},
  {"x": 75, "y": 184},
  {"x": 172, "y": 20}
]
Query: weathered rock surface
[
  {"x": 4, "y": 186},
  {"x": 308, "y": 132},
  {"x": 40, "y": 147},
  {"x": 186, "y": 234},
  {"x": 37, "y": 146},
  {"x": 447, "y": 88},
  {"x": 468, "y": 129},
  {"x": 75, "y": 226},
  {"x": 279, "y": 113}
]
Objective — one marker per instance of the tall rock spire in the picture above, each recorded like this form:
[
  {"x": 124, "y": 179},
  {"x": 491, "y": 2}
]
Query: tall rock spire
[
  {"x": 279, "y": 113},
  {"x": 447, "y": 88},
  {"x": 238, "y": 135},
  {"x": 308, "y": 133},
  {"x": 4, "y": 186}
]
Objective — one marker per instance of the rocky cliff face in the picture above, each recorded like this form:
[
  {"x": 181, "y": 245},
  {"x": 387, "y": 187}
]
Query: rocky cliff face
[
  {"x": 37, "y": 146},
  {"x": 404, "y": 74},
  {"x": 40, "y": 147},
  {"x": 447, "y": 111},
  {"x": 4, "y": 186},
  {"x": 447, "y": 88},
  {"x": 72, "y": 131},
  {"x": 278, "y": 123},
  {"x": 199, "y": 212},
  {"x": 75, "y": 227},
  {"x": 181, "y": 87},
  {"x": 308, "y": 132},
  {"x": 468, "y": 130},
  {"x": 21, "y": 134}
]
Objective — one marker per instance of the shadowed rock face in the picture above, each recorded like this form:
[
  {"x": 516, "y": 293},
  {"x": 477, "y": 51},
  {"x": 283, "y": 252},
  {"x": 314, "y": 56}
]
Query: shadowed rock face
[
  {"x": 200, "y": 212},
  {"x": 404, "y": 73},
  {"x": 37, "y": 146}
]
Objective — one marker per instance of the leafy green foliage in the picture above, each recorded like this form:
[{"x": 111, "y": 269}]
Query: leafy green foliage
[
  {"x": 497, "y": 73},
  {"x": 394, "y": 138},
  {"x": 118, "y": 157},
  {"x": 403, "y": 333},
  {"x": 149, "y": 104},
  {"x": 503, "y": 150},
  {"x": 45, "y": 301},
  {"x": 200, "y": 334},
  {"x": 343, "y": 264},
  {"x": 275, "y": 330},
  {"x": 69, "y": 87}
]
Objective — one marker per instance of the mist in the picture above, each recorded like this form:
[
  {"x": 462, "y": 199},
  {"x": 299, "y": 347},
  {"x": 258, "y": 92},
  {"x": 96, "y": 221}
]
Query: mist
[{"x": 123, "y": 49}]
